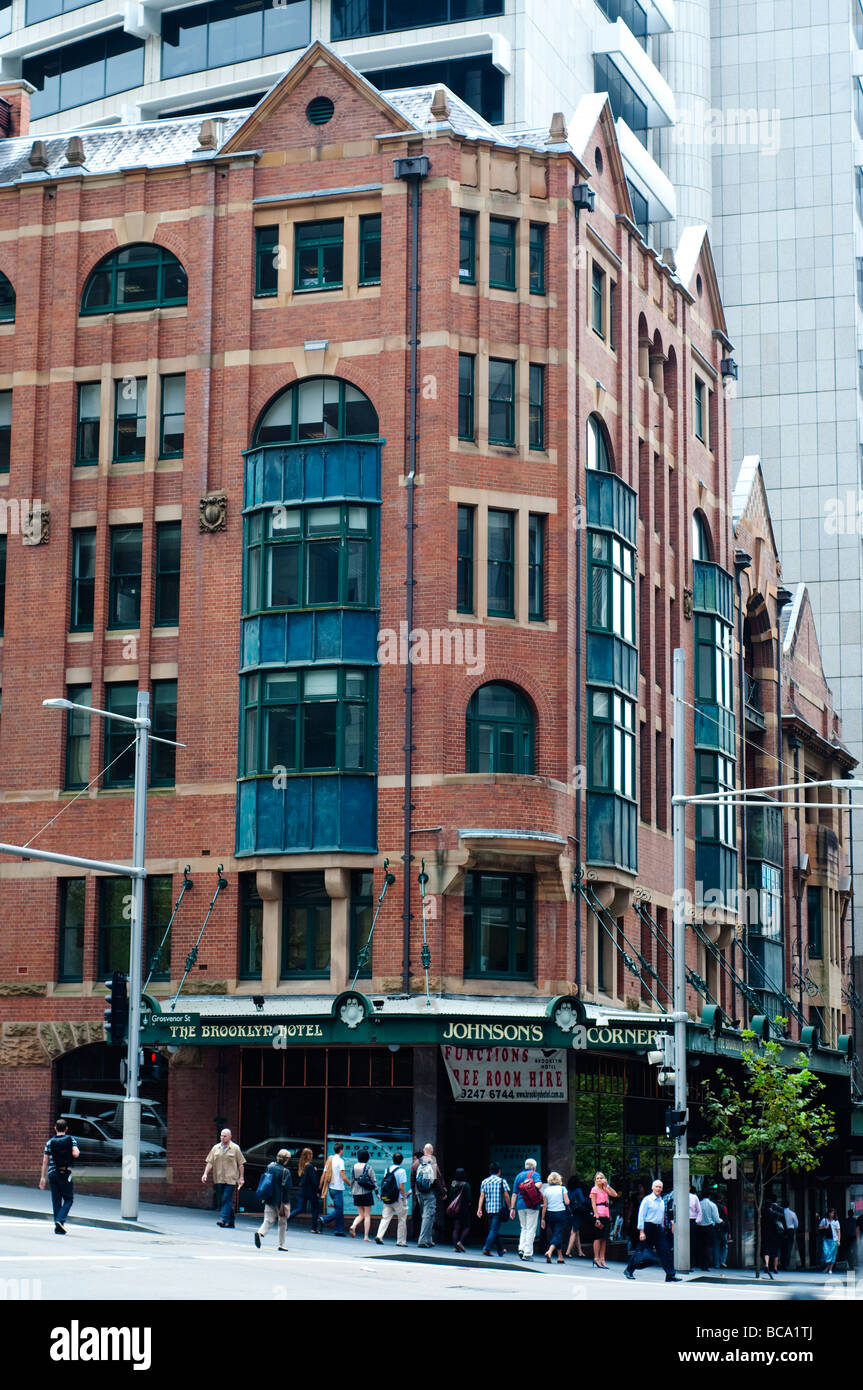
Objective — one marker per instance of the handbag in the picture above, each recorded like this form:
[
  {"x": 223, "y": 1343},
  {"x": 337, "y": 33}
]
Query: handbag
[{"x": 454, "y": 1207}]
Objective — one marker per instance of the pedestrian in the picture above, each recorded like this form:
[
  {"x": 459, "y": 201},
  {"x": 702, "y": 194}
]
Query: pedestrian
[
  {"x": 723, "y": 1234},
  {"x": 363, "y": 1188},
  {"x": 830, "y": 1233},
  {"x": 694, "y": 1218},
  {"x": 848, "y": 1244},
  {"x": 789, "y": 1244},
  {"x": 600, "y": 1196},
  {"x": 651, "y": 1224},
  {"x": 333, "y": 1186},
  {"x": 428, "y": 1185},
  {"x": 459, "y": 1199},
  {"x": 630, "y": 1215},
  {"x": 226, "y": 1162},
  {"x": 395, "y": 1201},
  {"x": 308, "y": 1184},
  {"x": 416, "y": 1210},
  {"x": 555, "y": 1204},
  {"x": 706, "y": 1228},
  {"x": 528, "y": 1201},
  {"x": 773, "y": 1235},
  {"x": 278, "y": 1207},
  {"x": 494, "y": 1196},
  {"x": 577, "y": 1210},
  {"x": 58, "y": 1156}
]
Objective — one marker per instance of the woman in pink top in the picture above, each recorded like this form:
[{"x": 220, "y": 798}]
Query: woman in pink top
[{"x": 600, "y": 1196}]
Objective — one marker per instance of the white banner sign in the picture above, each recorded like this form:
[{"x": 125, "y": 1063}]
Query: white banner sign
[{"x": 506, "y": 1073}]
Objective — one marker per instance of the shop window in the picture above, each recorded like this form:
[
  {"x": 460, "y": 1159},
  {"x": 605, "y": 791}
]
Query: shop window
[
  {"x": 306, "y": 926},
  {"x": 141, "y": 276},
  {"x": 498, "y": 925},
  {"x": 499, "y": 731}
]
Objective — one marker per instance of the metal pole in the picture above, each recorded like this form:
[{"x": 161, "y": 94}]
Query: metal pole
[
  {"x": 132, "y": 1105},
  {"x": 681, "y": 1154}
]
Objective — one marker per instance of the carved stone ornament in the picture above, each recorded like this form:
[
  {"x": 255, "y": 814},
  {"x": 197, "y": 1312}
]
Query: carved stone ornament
[
  {"x": 352, "y": 1013},
  {"x": 565, "y": 1018},
  {"x": 214, "y": 511},
  {"x": 687, "y": 604},
  {"x": 36, "y": 524}
]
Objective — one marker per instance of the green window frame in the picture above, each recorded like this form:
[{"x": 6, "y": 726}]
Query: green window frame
[
  {"x": 322, "y": 556},
  {"x": 7, "y": 300},
  {"x": 597, "y": 293},
  {"x": 699, "y": 410},
  {"x": 78, "y": 738},
  {"x": 538, "y": 240},
  {"x": 306, "y": 927},
  {"x": 536, "y": 406},
  {"x": 172, "y": 416},
  {"x": 2, "y": 585},
  {"x": 714, "y": 823},
  {"x": 611, "y": 586},
  {"x": 88, "y": 430},
  {"x": 319, "y": 255},
  {"x": 167, "y": 585},
  {"x": 501, "y": 253},
  {"x": 119, "y": 760},
  {"x": 766, "y": 879},
  {"x": 501, "y": 564},
  {"x": 500, "y": 731},
  {"x": 140, "y": 276},
  {"x": 130, "y": 419},
  {"x": 308, "y": 719},
  {"x": 251, "y": 929},
  {"x": 370, "y": 249},
  {"x": 362, "y": 913},
  {"x": 83, "y": 579},
  {"x": 465, "y": 599},
  {"x": 266, "y": 262},
  {"x": 501, "y": 401},
  {"x": 498, "y": 926},
  {"x": 5, "y": 431},
  {"x": 115, "y": 923},
  {"x": 466, "y": 396},
  {"x": 467, "y": 248},
  {"x": 163, "y": 759},
  {"x": 611, "y": 743},
  {"x": 124, "y": 582},
  {"x": 319, "y": 408},
  {"x": 70, "y": 943},
  {"x": 536, "y": 567},
  {"x": 814, "y": 923},
  {"x": 159, "y": 906},
  {"x": 714, "y": 677}
]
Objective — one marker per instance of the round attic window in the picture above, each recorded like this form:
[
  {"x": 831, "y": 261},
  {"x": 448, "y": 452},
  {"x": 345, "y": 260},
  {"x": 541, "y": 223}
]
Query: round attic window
[
  {"x": 698, "y": 285},
  {"x": 319, "y": 111},
  {"x": 597, "y": 159}
]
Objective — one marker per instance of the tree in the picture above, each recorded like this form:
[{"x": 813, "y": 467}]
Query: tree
[{"x": 773, "y": 1118}]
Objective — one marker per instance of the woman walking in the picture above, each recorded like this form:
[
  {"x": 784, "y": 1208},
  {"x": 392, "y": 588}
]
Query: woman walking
[
  {"x": 830, "y": 1233},
  {"x": 555, "y": 1202},
  {"x": 458, "y": 1208},
  {"x": 363, "y": 1189},
  {"x": 578, "y": 1210},
  {"x": 600, "y": 1196},
  {"x": 308, "y": 1183},
  {"x": 773, "y": 1233}
]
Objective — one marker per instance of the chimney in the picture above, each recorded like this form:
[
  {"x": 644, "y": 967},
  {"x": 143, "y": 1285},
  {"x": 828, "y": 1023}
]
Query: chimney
[
  {"x": 557, "y": 134},
  {"x": 208, "y": 138},
  {"x": 440, "y": 106},
  {"x": 75, "y": 151},
  {"x": 15, "y": 96},
  {"x": 38, "y": 156}
]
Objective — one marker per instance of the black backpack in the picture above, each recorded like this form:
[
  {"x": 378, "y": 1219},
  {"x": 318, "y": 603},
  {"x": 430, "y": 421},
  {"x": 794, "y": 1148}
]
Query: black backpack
[
  {"x": 366, "y": 1179},
  {"x": 60, "y": 1147}
]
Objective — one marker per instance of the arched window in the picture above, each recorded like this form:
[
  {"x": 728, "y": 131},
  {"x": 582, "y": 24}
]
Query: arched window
[
  {"x": 319, "y": 408},
  {"x": 142, "y": 276},
  {"x": 500, "y": 731},
  {"x": 598, "y": 452},
  {"x": 700, "y": 538},
  {"x": 7, "y": 300}
]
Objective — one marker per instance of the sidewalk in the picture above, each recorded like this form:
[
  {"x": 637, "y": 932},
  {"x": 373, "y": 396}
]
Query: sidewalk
[{"x": 196, "y": 1223}]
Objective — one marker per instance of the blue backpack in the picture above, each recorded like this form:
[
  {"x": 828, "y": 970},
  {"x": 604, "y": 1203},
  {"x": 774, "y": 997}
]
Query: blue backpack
[{"x": 266, "y": 1190}]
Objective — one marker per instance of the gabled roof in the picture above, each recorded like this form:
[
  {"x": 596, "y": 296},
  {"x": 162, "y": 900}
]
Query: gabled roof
[
  {"x": 693, "y": 250},
  {"x": 594, "y": 112},
  {"x": 749, "y": 487}
]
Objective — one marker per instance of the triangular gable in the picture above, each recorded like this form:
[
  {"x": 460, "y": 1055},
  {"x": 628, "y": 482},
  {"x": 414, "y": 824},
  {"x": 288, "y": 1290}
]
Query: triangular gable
[
  {"x": 801, "y": 628},
  {"x": 594, "y": 113},
  {"x": 749, "y": 500},
  {"x": 317, "y": 54},
  {"x": 694, "y": 255}
]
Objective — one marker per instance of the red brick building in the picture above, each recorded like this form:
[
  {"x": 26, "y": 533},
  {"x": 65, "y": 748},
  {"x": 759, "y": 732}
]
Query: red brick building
[{"x": 382, "y": 454}]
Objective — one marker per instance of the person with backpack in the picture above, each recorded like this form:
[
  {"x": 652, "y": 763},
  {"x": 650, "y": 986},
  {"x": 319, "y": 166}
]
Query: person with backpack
[
  {"x": 428, "y": 1185},
  {"x": 274, "y": 1190},
  {"x": 458, "y": 1209},
  {"x": 528, "y": 1201},
  {"x": 57, "y": 1159},
  {"x": 363, "y": 1188},
  {"x": 394, "y": 1198}
]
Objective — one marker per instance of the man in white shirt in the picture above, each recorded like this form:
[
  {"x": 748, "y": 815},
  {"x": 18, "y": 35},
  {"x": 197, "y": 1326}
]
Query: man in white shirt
[
  {"x": 694, "y": 1218},
  {"x": 398, "y": 1208},
  {"x": 333, "y": 1184},
  {"x": 707, "y": 1228},
  {"x": 790, "y": 1240}
]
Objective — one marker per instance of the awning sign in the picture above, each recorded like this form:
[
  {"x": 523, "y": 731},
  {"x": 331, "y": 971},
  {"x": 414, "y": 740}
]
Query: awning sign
[{"x": 506, "y": 1073}]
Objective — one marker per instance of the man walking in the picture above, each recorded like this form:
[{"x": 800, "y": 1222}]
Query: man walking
[
  {"x": 59, "y": 1154},
  {"x": 694, "y": 1218},
  {"x": 494, "y": 1195},
  {"x": 528, "y": 1200},
  {"x": 652, "y": 1234},
  {"x": 789, "y": 1242},
  {"x": 333, "y": 1186},
  {"x": 279, "y": 1209},
  {"x": 394, "y": 1206},
  {"x": 707, "y": 1227},
  {"x": 226, "y": 1162},
  {"x": 427, "y": 1184}
]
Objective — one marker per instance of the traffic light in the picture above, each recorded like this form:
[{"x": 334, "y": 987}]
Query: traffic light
[
  {"x": 675, "y": 1123},
  {"x": 663, "y": 1057},
  {"x": 117, "y": 1012},
  {"x": 153, "y": 1064}
]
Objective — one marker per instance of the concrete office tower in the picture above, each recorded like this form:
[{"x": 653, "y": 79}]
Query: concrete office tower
[
  {"x": 683, "y": 153},
  {"x": 787, "y": 233}
]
